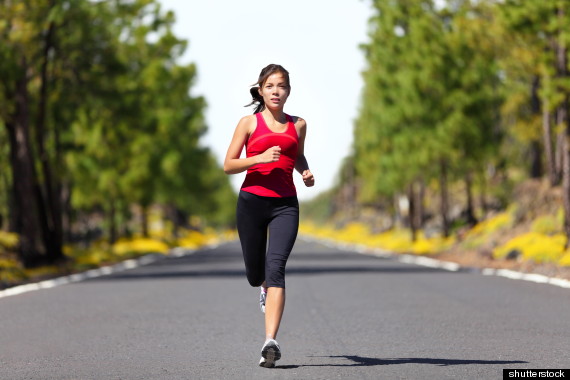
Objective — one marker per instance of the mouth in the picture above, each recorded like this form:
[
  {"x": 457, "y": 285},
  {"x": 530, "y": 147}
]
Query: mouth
[{"x": 275, "y": 100}]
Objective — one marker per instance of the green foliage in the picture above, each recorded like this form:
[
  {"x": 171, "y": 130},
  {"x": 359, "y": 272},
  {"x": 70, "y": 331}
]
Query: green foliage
[
  {"x": 319, "y": 209},
  {"x": 121, "y": 127},
  {"x": 548, "y": 224},
  {"x": 429, "y": 95},
  {"x": 532, "y": 32}
]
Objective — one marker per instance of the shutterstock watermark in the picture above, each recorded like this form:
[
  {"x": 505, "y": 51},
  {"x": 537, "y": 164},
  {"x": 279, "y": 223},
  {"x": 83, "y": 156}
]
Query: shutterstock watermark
[{"x": 536, "y": 373}]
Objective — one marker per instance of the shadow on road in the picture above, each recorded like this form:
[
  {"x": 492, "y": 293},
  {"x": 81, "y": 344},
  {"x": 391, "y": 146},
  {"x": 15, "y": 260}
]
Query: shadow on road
[
  {"x": 359, "y": 361},
  {"x": 227, "y": 262},
  {"x": 149, "y": 273}
]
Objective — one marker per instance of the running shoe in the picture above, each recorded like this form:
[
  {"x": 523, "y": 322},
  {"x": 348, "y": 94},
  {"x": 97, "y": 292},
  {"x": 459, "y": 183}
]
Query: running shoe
[
  {"x": 270, "y": 353},
  {"x": 264, "y": 363},
  {"x": 262, "y": 297}
]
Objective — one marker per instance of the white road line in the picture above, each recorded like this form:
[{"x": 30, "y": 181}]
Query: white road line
[
  {"x": 103, "y": 271},
  {"x": 559, "y": 282},
  {"x": 445, "y": 265}
]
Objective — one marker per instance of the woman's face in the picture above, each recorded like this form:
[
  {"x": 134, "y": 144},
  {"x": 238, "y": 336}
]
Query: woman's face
[{"x": 275, "y": 91}]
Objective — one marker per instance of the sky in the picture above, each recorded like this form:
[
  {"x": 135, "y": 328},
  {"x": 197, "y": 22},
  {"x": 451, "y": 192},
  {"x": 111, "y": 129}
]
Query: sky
[{"x": 317, "y": 41}]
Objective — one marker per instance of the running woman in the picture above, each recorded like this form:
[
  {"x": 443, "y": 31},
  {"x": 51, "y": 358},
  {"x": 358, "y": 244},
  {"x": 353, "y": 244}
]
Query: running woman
[{"x": 267, "y": 201}]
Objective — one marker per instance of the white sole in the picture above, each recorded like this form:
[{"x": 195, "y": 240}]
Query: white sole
[
  {"x": 266, "y": 364},
  {"x": 271, "y": 354}
]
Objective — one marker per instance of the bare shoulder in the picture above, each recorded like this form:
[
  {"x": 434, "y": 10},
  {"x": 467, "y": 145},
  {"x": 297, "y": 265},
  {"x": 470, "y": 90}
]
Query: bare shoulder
[
  {"x": 299, "y": 121},
  {"x": 300, "y": 124},
  {"x": 247, "y": 124}
]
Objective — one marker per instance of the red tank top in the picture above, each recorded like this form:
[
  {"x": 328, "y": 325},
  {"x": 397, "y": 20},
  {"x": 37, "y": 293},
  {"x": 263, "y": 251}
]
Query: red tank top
[{"x": 274, "y": 179}]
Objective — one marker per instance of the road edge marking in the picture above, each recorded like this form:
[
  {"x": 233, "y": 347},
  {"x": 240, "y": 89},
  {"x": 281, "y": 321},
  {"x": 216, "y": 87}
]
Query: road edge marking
[
  {"x": 102, "y": 271},
  {"x": 440, "y": 264}
]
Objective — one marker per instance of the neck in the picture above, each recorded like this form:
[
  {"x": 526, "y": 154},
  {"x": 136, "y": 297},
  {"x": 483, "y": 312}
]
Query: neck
[{"x": 277, "y": 115}]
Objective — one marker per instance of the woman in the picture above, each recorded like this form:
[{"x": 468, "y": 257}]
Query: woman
[{"x": 267, "y": 201}]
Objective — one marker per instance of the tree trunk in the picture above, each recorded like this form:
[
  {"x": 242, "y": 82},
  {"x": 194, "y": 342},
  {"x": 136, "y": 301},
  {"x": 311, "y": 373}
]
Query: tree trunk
[
  {"x": 549, "y": 149},
  {"x": 67, "y": 212},
  {"x": 444, "y": 198},
  {"x": 561, "y": 73},
  {"x": 412, "y": 212},
  {"x": 559, "y": 154},
  {"x": 535, "y": 160},
  {"x": 11, "y": 225},
  {"x": 470, "y": 211},
  {"x": 112, "y": 223},
  {"x": 483, "y": 192},
  {"x": 398, "y": 219},
  {"x": 26, "y": 208},
  {"x": 178, "y": 218},
  {"x": 562, "y": 120},
  {"x": 562, "y": 117},
  {"x": 351, "y": 183},
  {"x": 419, "y": 204},
  {"x": 547, "y": 142},
  {"x": 50, "y": 198},
  {"x": 172, "y": 213},
  {"x": 144, "y": 221},
  {"x": 535, "y": 151}
]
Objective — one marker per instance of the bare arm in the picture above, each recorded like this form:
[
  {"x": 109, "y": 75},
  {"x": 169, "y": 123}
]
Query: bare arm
[
  {"x": 233, "y": 164},
  {"x": 301, "y": 164}
]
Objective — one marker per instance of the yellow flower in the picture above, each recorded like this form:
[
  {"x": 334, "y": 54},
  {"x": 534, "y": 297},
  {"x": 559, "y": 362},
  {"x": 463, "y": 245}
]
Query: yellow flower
[
  {"x": 9, "y": 240},
  {"x": 565, "y": 260},
  {"x": 534, "y": 246},
  {"x": 139, "y": 245}
]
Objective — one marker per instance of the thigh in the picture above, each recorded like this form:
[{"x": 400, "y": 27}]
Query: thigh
[
  {"x": 252, "y": 230},
  {"x": 283, "y": 230}
]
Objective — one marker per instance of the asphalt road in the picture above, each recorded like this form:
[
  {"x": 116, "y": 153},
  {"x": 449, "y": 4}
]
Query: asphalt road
[{"x": 348, "y": 316}]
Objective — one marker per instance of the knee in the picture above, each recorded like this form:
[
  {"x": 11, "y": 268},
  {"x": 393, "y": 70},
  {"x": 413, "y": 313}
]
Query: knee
[
  {"x": 255, "y": 281},
  {"x": 276, "y": 279}
]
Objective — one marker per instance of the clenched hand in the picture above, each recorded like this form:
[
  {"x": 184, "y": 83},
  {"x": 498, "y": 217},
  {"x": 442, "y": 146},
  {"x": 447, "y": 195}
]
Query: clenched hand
[
  {"x": 270, "y": 155},
  {"x": 308, "y": 178}
]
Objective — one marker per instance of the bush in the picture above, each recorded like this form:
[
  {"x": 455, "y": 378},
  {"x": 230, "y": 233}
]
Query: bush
[
  {"x": 548, "y": 224},
  {"x": 537, "y": 247}
]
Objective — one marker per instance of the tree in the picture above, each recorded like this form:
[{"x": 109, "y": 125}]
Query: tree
[
  {"x": 544, "y": 26},
  {"x": 393, "y": 147},
  {"x": 430, "y": 103},
  {"x": 17, "y": 56},
  {"x": 99, "y": 116}
]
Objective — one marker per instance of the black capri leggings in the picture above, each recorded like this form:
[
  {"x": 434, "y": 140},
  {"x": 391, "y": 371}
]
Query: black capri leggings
[{"x": 256, "y": 216}]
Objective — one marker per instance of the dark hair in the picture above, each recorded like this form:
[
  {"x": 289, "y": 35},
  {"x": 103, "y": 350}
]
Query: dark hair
[{"x": 265, "y": 73}]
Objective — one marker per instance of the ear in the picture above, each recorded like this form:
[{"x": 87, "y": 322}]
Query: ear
[{"x": 259, "y": 91}]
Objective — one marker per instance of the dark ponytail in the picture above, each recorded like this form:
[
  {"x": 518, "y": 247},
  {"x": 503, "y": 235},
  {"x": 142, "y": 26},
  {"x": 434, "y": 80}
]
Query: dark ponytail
[
  {"x": 256, "y": 99},
  {"x": 265, "y": 73}
]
